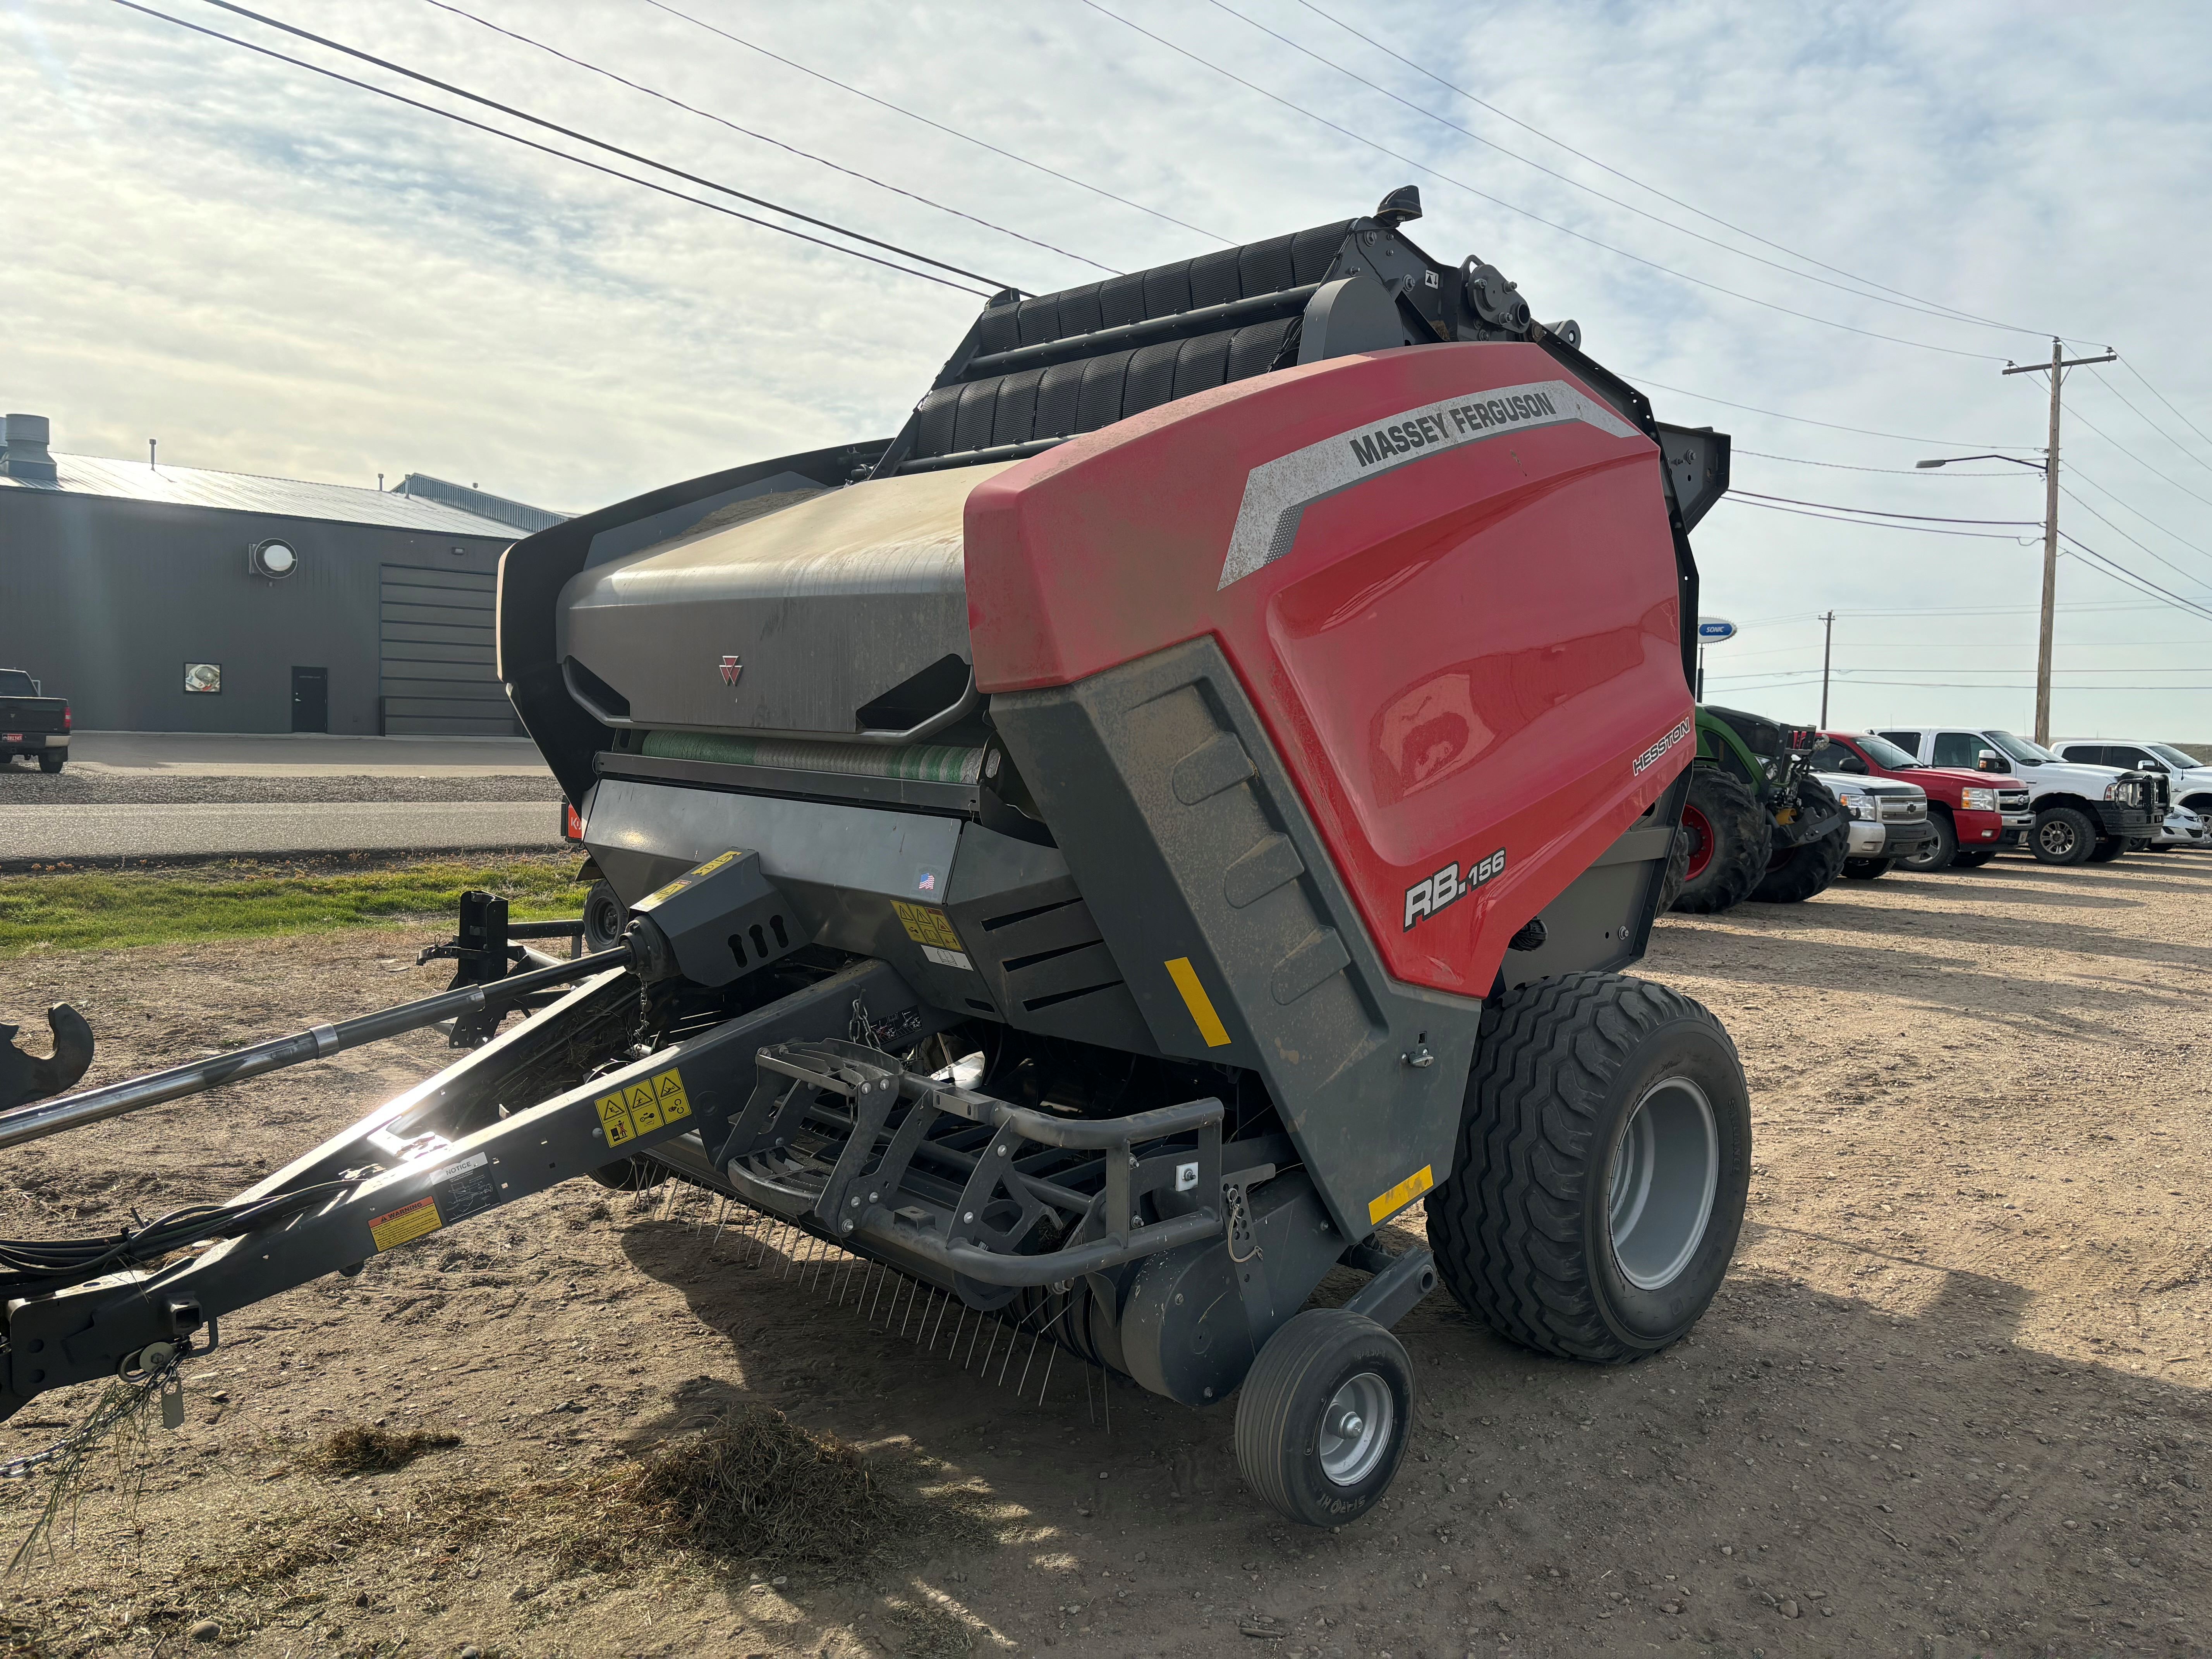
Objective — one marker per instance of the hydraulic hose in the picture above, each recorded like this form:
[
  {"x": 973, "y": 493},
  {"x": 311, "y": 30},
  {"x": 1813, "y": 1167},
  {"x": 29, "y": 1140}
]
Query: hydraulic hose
[{"x": 91, "y": 1105}]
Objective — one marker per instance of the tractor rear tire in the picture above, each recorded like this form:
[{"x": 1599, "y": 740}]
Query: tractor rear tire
[
  {"x": 2109, "y": 847},
  {"x": 1935, "y": 854},
  {"x": 2063, "y": 835},
  {"x": 1324, "y": 1416},
  {"x": 1603, "y": 1158},
  {"x": 1973, "y": 858},
  {"x": 1796, "y": 873},
  {"x": 1868, "y": 869},
  {"x": 1728, "y": 841}
]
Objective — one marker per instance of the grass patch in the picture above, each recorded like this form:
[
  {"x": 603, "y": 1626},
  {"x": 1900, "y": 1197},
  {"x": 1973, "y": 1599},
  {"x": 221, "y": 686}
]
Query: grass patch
[{"x": 79, "y": 910}]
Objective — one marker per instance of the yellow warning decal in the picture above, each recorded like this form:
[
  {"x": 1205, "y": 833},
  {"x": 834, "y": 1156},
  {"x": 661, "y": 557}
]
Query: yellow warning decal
[
  {"x": 1200, "y": 1005},
  {"x": 925, "y": 925},
  {"x": 1403, "y": 1194},
  {"x": 410, "y": 1222},
  {"x": 643, "y": 1107},
  {"x": 699, "y": 874}
]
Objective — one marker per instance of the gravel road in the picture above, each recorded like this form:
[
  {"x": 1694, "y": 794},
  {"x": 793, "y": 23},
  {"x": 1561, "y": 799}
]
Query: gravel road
[
  {"x": 20, "y": 787},
  {"x": 202, "y": 830}
]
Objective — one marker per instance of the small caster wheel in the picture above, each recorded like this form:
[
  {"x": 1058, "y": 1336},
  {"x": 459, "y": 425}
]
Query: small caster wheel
[
  {"x": 604, "y": 917},
  {"x": 1324, "y": 1417},
  {"x": 631, "y": 1175}
]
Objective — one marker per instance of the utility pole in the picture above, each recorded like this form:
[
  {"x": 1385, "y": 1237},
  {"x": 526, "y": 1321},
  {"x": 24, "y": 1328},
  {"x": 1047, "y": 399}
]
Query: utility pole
[
  {"x": 2057, "y": 368},
  {"x": 1827, "y": 640}
]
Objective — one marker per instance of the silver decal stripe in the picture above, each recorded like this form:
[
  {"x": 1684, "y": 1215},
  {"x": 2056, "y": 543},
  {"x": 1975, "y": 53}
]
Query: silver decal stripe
[{"x": 1278, "y": 492}]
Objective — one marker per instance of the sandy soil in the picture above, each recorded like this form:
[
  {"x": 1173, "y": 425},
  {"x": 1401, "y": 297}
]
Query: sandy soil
[{"x": 1953, "y": 1401}]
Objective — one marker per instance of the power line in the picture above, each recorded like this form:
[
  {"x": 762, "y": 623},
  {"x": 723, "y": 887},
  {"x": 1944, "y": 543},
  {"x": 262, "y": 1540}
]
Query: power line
[
  {"x": 766, "y": 138},
  {"x": 1845, "y": 466},
  {"x": 545, "y": 149},
  {"x": 2145, "y": 546},
  {"x": 2136, "y": 578},
  {"x": 1945, "y": 315},
  {"x": 952, "y": 132},
  {"x": 1511, "y": 207},
  {"x": 1964, "y": 316},
  {"x": 1952, "y": 611},
  {"x": 1804, "y": 420},
  {"x": 1809, "y": 676},
  {"x": 2168, "y": 402},
  {"x": 2187, "y": 452},
  {"x": 2139, "y": 460},
  {"x": 1741, "y": 499},
  {"x": 1876, "y": 512},
  {"x": 2116, "y": 500},
  {"x": 293, "y": 30}
]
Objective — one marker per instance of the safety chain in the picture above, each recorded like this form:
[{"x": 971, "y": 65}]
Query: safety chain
[{"x": 120, "y": 1400}]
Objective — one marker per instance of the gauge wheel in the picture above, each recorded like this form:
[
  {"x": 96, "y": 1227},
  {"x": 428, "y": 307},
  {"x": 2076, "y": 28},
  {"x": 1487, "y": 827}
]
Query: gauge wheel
[{"x": 1324, "y": 1416}]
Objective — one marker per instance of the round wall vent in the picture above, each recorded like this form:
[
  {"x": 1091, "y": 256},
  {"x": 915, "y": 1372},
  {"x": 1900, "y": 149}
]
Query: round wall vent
[{"x": 273, "y": 559}]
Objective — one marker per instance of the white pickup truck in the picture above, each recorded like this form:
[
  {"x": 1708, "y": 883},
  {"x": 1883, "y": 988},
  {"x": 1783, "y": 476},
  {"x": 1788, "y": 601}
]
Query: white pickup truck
[
  {"x": 1889, "y": 821},
  {"x": 2083, "y": 813},
  {"x": 2188, "y": 782}
]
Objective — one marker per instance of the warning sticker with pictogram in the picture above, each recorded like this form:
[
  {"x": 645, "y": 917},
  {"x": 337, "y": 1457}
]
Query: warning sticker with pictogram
[
  {"x": 644, "y": 1106},
  {"x": 925, "y": 924},
  {"x": 407, "y": 1223}
]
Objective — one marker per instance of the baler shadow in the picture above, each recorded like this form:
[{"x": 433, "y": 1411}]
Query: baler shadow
[{"x": 1892, "y": 1460}]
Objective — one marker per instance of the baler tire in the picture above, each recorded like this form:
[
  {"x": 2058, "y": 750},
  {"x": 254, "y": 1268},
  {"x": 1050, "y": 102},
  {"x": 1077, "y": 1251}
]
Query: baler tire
[
  {"x": 2062, "y": 835},
  {"x": 1796, "y": 873},
  {"x": 604, "y": 917},
  {"x": 1283, "y": 1414},
  {"x": 1524, "y": 1230},
  {"x": 1869, "y": 869},
  {"x": 1722, "y": 812}
]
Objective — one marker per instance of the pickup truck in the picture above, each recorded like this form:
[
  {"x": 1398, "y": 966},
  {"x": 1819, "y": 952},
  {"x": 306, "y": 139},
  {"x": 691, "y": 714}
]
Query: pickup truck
[
  {"x": 2083, "y": 814},
  {"x": 2188, "y": 780},
  {"x": 1970, "y": 814},
  {"x": 32, "y": 723},
  {"x": 1889, "y": 822}
]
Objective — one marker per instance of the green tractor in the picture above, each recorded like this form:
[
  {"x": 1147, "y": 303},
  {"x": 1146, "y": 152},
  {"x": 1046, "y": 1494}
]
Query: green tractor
[{"x": 1757, "y": 824}]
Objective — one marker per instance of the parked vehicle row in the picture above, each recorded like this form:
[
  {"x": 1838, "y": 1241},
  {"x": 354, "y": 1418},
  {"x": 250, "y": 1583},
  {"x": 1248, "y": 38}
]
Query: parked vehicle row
[
  {"x": 31, "y": 722},
  {"x": 1775, "y": 814}
]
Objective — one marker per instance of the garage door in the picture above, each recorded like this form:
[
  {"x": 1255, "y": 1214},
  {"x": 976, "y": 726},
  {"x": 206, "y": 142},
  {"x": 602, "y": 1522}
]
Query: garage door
[{"x": 440, "y": 673}]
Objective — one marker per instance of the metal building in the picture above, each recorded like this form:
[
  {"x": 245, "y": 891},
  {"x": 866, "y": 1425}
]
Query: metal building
[{"x": 172, "y": 599}]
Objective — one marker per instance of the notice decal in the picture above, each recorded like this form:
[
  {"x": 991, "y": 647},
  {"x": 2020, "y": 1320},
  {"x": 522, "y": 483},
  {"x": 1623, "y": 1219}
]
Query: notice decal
[{"x": 1278, "y": 492}]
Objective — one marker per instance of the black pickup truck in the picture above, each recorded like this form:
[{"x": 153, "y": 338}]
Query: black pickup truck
[{"x": 32, "y": 723}]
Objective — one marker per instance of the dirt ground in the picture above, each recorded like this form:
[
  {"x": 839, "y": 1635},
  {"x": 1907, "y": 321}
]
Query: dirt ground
[{"x": 1945, "y": 1405}]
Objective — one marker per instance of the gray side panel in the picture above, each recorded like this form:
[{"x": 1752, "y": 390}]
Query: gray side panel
[
  {"x": 1186, "y": 838},
  {"x": 1033, "y": 954}
]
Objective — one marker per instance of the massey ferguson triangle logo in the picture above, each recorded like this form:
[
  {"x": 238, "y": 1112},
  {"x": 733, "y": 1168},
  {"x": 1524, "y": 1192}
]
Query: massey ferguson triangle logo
[{"x": 731, "y": 667}]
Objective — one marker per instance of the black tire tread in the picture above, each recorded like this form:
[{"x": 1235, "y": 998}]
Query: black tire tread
[
  {"x": 1744, "y": 832},
  {"x": 1810, "y": 867},
  {"x": 1507, "y": 1243},
  {"x": 1265, "y": 1401}
]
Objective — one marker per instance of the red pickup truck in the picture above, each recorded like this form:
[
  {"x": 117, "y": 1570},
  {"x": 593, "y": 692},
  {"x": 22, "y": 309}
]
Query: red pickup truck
[{"x": 1969, "y": 811}]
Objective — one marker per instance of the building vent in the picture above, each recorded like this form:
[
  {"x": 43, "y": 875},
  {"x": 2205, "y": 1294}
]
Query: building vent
[{"x": 23, "y": 449}]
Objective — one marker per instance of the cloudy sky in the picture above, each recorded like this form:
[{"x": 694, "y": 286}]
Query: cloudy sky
[{"x": 1823, "y": 228}]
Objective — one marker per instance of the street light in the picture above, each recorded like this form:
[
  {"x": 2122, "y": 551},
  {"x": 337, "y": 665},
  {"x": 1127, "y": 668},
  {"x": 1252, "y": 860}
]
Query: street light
[{"x": 1948, "y": 459}]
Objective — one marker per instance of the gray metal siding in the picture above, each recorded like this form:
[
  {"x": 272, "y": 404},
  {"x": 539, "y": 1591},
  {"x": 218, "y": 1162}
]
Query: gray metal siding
[
  {"x": 439, "y": 659},
  {"x": 106, "y": 599}
]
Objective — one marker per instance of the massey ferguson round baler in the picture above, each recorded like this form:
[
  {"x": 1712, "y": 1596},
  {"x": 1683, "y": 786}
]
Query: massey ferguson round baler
[{"x": 1098, "y": 858}]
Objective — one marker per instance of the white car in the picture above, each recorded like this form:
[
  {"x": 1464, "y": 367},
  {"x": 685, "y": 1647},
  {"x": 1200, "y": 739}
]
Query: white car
[
  {"x": 2183, "y": 828},
  {"x": 1889, "y": 821}
]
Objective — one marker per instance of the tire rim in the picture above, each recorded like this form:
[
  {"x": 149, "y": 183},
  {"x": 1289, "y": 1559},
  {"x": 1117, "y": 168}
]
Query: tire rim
[
  {"x": 2055, "y": 837},
  {"x": 1701, "y": 843},
  {"x": 1356, "y": 1429},
  {"x": 1666, "y": 1170}
]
